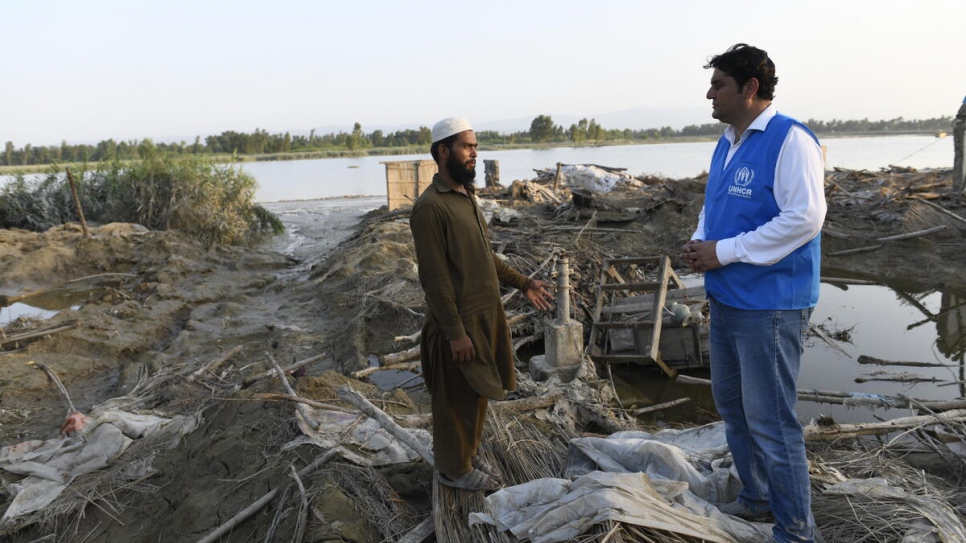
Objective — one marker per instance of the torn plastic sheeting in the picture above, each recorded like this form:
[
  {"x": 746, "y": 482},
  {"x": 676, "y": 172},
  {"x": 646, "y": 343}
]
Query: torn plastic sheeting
[
  {"x": 557, "y": 510},
  {"x": 592, "y": 178},
  {"x": 364, "y": 442},
  {"x": 52, "y": 464},
  {"x": 697, "y": 456},
  {"x": 492, "y": 210},
  {"x": 551, "y": 510}
]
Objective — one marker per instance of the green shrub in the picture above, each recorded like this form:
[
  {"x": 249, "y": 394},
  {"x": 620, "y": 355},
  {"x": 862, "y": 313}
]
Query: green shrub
[{"x": 159, "y": 191}]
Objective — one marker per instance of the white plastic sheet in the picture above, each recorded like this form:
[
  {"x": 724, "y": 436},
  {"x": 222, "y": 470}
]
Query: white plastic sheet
[
  {"x": 364, "y": 441},
  {"x": 592, "y": 178},
  {"x": 49, "y": 466},
  {"x": 664, "y": 481}
]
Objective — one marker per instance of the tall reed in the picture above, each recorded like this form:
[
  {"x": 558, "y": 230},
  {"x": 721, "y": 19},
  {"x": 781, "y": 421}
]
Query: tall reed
[{"x": 160, "y": 191}]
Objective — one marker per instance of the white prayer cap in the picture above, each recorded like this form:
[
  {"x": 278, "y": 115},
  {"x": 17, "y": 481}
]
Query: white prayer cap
[{"x": 449, "y": 126}]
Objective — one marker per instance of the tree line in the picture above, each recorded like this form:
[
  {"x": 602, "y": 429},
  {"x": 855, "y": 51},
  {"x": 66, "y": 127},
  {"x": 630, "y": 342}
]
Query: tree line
[{"x": 542, "y": 130}]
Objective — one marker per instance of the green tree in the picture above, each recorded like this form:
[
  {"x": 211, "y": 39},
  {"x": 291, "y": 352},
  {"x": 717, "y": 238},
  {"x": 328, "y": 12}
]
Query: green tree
[
  {"x": 595, "y": 131},
  {"x": 541, "y": 129},
  {"x": 8, "y": 154},
  {"x": 355, "y": 139}
]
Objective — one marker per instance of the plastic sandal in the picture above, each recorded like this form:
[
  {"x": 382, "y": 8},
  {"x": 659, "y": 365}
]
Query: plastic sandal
[
  {"x": 487, "y": 468},
  {"x": 474, "y": 480}
]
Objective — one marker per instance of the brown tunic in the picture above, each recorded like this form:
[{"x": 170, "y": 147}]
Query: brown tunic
[{"x": 461, "y": 278}]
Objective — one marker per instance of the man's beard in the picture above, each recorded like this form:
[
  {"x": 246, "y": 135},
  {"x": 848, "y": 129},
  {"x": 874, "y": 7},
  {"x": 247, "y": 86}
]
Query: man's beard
[{"x": 461, "y": 173}]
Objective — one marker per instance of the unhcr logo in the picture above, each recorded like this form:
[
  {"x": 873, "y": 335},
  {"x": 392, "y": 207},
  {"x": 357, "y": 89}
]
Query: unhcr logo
[{"x": 743, "y": 177}]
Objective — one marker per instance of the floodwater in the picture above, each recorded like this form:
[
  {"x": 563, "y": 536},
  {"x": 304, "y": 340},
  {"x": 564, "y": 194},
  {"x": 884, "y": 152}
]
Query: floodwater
[
  {"x": 893, "y": 323},
  {"x": 366, "y": 176}
]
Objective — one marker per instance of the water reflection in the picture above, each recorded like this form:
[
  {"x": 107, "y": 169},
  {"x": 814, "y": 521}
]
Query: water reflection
[{"x": 890, "y": 322}]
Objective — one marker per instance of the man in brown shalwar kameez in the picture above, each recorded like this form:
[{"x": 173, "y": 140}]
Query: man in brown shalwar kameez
[{"x": 467, "y": 355}]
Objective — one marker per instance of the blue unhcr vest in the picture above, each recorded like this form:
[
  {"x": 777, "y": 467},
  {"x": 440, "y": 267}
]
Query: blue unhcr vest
[{"x": 740, "y": 198}]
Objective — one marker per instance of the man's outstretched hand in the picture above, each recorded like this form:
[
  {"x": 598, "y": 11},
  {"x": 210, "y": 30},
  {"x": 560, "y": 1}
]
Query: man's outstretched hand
[{"x": 538, "y": 295}]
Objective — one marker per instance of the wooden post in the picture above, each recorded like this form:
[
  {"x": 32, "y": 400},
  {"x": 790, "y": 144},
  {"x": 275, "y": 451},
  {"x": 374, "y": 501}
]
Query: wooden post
[
  {"x": 556, "y": 178},
  {"x": 77, "y": 204},
  {"x": 491, "y": 169},
  {"x": 959, "y": 164}
]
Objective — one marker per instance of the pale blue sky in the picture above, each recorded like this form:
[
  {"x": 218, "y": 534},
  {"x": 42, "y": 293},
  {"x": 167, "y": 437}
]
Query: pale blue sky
[{"x": 87, "y": 70}]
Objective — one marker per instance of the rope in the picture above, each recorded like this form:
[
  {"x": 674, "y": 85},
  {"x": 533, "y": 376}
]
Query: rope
[{"x": 920, "y": 150}]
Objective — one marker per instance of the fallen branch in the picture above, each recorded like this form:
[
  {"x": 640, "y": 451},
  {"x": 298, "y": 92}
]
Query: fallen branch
[
  {"x": 863, "y": 359},
  {"x": 865, "y": 249},
  {"x": 901, "y": 377},
  {"x": 525, "y": 340},
  {"x": 214, "y": 364},
  {"x": 942, "y": 209},
  {"x": 288, "y": 388},
  {"x": 828, "y": 339},
  {"x": 422, "y": 533},
  {"x": 249, "y": 511},
  {"x": 688, "y": 380},
  {"x": 302, "y": 519},
  {"x": 288, "y": 369},
  {"x": 349, "y": 395},
  {"x": 402, "y": 356},
  {"x": 408, "y": 366},
  {"x": 814, "y": 432},
  {"x": 411, "y": 338},
  {"x": 276, "y": 396},
  {"x": 60, "y": 386},
  {"x": 660, "y": 406},
  {"x": 38, "y": 333},
  {"x": 916, "y": 234}
]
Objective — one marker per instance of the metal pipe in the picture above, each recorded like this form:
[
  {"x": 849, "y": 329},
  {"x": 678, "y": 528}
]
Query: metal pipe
[{"x": 563, "y": 289}]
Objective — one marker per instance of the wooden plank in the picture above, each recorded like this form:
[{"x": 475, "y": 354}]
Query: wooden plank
[
  {"x": 658, "y": 309},
  {"x": 624, "y": 358},
  {"x": 650, "y": 285},
  {"x": 644, "y": 302},
  {"x": 638, "y": 260}
]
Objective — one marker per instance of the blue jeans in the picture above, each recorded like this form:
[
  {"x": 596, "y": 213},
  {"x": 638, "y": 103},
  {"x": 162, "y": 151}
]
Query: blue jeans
[{"x": 755, "y": 356}]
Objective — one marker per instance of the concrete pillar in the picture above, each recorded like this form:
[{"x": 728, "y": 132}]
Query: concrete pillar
[
  {"x": 563, "y": 338},
  {"x": 959, "y": 167}
]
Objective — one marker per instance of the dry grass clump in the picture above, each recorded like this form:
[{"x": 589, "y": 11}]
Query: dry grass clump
[{"x": 160, "y": 191}]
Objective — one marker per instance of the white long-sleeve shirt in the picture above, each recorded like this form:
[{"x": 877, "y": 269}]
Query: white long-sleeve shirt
[{"x": 799, "y": 191}]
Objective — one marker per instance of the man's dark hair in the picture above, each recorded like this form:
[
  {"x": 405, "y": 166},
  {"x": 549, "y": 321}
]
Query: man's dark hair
[
  {"x": 742, "y": 62},
  {"x": 447, "y": 141}
]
